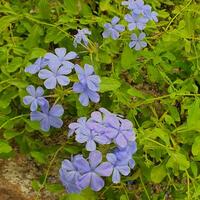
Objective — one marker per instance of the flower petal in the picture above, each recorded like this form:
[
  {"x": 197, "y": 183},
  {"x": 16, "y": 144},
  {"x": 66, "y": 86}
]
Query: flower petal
[
  {"x": 78, "y": 88},
  {"x": 34, "y": 105},
  {"x": 83, "y": 98},
  {"x": 60, "y": 52},
  {"x": 45, "y": 73},
  {"x": 71, "y": 55},
  {"x": 55, "y": 122},
  {"x": 111, "y": 158},
  {"x": 56, "y": 110},
  {"x": 90, "y": 145},
  {"x": 45, "y": 125},
  {"x": 50, "y": 83},
  {"x": 97, "y": 183},
  {"x": 89, "y": 69},
  {"x": 39, "y": 92},
  {"x": 28, "y": 100},
  {"x": 116, "y": 176},
  {"x": 84, "y": 181},
  {"x": 36, "y": 116},
  {"x": 104, "y": 169},
  {"x": 115, "y": 20},
  {"x": 121, "y": 141},
  {"x": 124, "y": 170},
  {"x": 95, "y": 158},
  {"x": 63, "y": 80},
  {"x": 31, "y": 90}
]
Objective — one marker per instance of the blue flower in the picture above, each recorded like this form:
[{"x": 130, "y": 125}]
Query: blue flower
[
  {"x": 48, "y": 118},
  {"x": 69, "y": 174},
  {"x": 59, "y": 66},
  {"x": 124, "y": 155},
  {"x": 128, "y": 3},
  {"x": 88, "y": 85},
  {"x": 36, "y": 97},
  {"x": 149, "y": 14},
  {"x": 77, "y": 126},
  {"x": 84, "y": 134},
  {"x": 138, "y": 42},
  {"x": 118, "y": 168},
  {"x": 113, "y": 29},
  {"x": 92, "y": 170},
  {"x": 81, "y": 36},
  {"x": 39, "y": 64},
  {"x": 60, "y": 58},
  {"x": 135, "y": 21},
  {"x": 120, "y": 130},
  {"x": 138, "y": 7}
]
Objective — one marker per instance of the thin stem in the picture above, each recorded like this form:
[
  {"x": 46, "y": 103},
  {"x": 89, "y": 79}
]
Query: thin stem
[
  {"x": 145, "y": 190},
  {"x": 47, "y": 172},
  {"x": 11, "y": 119}
]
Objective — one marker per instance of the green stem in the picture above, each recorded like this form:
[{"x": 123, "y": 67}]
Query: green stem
[{"x": 11, "y": 119}]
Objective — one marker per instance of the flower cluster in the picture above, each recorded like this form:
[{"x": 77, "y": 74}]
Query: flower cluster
[
  {"x": 101, "y": 128},
  {"x": 54, "y": 68},
  {"x": 140, "y": 15}
]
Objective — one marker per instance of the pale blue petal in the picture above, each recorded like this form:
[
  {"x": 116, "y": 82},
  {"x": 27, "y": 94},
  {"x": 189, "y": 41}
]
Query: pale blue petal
[{"x": 50, "y": 83}]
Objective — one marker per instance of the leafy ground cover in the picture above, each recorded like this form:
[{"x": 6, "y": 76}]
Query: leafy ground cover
[{"x": 156, "y": 88}]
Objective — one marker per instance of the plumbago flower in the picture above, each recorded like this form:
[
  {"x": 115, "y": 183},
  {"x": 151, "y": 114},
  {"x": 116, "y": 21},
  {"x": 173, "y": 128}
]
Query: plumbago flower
[
  {"x": 81, "y": 173},
  {"x": 92, "y": 171},
  {"x": 128, "y": 3},
  {"x": 48, "y": 117},
  {"x": 35, "y": 98},
  {"x": 122, "y": 161},
  {"x": 109, "y": 127},
  {"x": 69, "y": 174},
  {"x": 59, "y": 66},
  {"x": 150, "y": 15},
  {"x": 81, "y": 36},
  {"x": 137, "y": 42},
  {"x": 84, "y": 134},
  {"x": 113, "y": 29},
  {"x": 88, "y": 85},
  {"x": 135, "y": 21},
  {"x": 39, "y": 64}
]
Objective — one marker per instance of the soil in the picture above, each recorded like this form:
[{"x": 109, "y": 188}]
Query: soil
[{"x": 16, "y": 176}]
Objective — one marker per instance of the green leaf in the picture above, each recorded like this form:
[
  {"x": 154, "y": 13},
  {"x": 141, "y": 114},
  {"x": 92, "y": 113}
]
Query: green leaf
[
  {"x": 15, "y": 64},
  {"x": 9, "y": 134},
  {"x": 128, "y": 58},
  {"x": 135, "y": 93},
  {"x": 5, "y": 147},
  {"x": 109, "y": 84},
  {"x": 5, "y": 21},
  {"x": 158, "y": 173},
  {"x": 196, "y": 147},
  {"x": 44, "y": 9},
  {"x": 38, "y": 156},
  {"x": 54, "y": 35},
  {"x": 178, "y": 161}
]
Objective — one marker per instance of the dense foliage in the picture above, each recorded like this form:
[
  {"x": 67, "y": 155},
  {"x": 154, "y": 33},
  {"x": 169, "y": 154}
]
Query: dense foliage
[{"x": 153, "y": 81}]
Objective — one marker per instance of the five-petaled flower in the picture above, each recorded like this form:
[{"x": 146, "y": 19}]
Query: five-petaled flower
[
  {"x": 118, "y": 168},
  {"x": 88, "y": 84},
  {"x": 150, "y": 15},
  {"x": 135, "y": 21},
  {"x": 35, "y": 98},
  {"x": 59, "y": 66},
  {"x": 81, "y": 36},
  {"x": 48, "y": 118},
  {"x": 113, "y": 29},
  {"x": 138, "y": 42},
  {"x": 92, "y": 171},
  {"x": 69, "y": 174}
]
